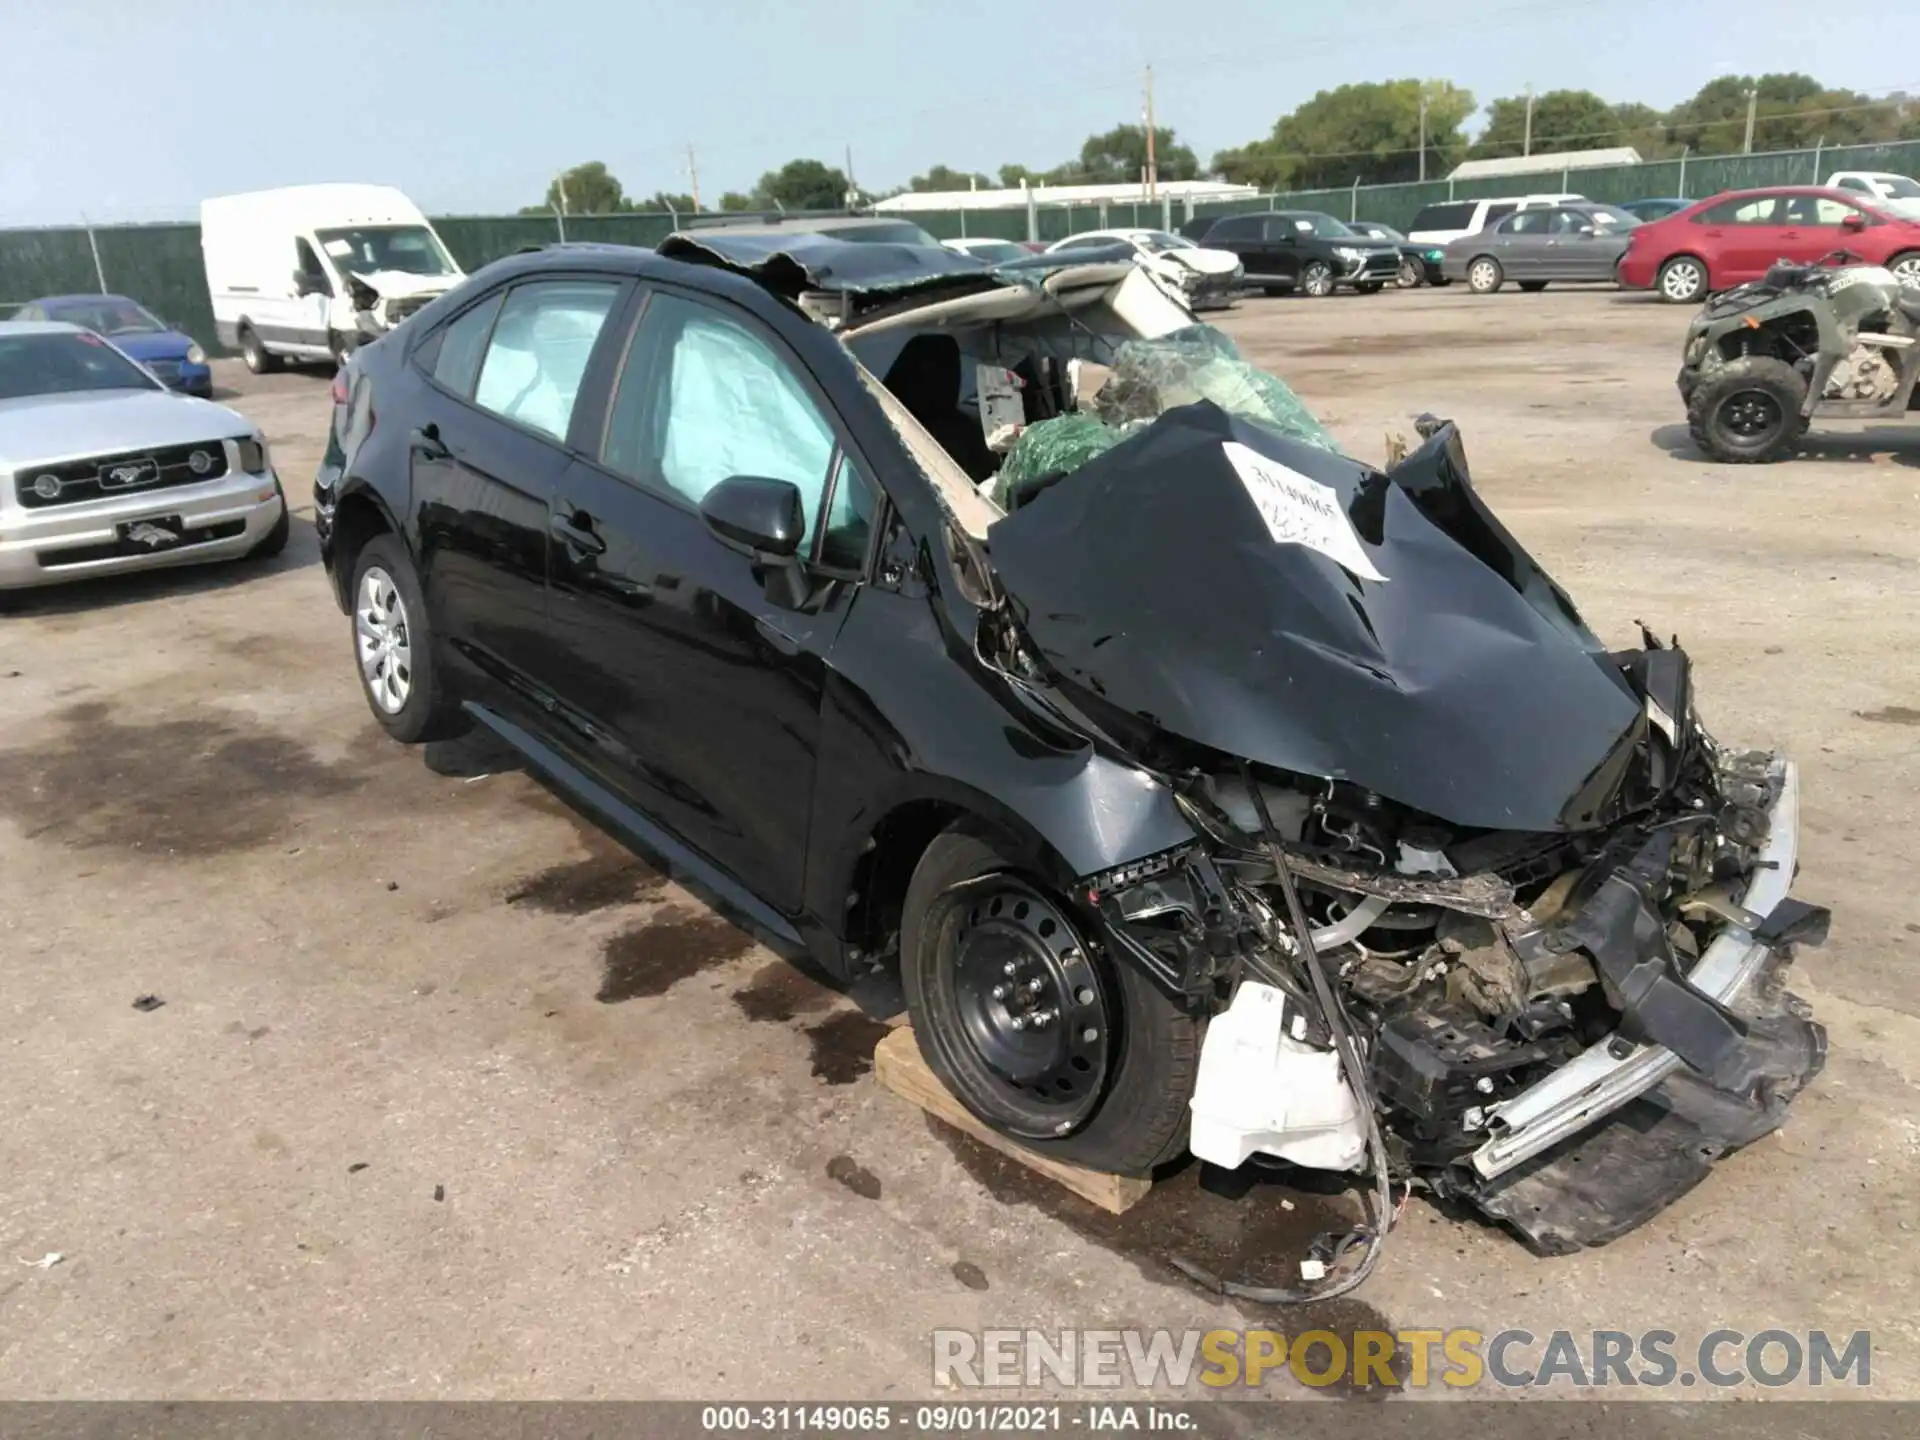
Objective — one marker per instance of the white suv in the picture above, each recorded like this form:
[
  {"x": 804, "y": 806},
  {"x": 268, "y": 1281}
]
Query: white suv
[{"x": 1451, "y": 219}]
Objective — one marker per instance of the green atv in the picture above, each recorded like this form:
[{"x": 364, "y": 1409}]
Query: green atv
[{"x": 1836, "y": 339}]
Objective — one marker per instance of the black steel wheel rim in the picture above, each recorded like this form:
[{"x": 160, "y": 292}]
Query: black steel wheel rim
[
  {"x": 1033, "y": 1014},
  {"x": 1752, "y": 415}
]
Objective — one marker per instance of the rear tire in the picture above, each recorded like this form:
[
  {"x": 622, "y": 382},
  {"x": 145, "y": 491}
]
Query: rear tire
[
  {"x": 260, "y": 360},
  {"x": 393, "y": 646},
  {"x": 1106, "y": 1082},
  {"x": 1484, "y": 275},
  {"x": 1682, "y": 281},
  {"x": 1409, "y": 275},
  {"x": 1533, "y": 287},
  {"x": 1906, "y": 268},
  {"x": 1748, "y": 412}
]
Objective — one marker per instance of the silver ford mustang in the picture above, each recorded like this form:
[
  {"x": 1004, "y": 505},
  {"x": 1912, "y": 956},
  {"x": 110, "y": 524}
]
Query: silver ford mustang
[{"x": 102, "y": 469}]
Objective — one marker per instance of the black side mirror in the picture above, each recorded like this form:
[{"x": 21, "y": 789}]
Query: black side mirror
[
  {"x": 764, "y": 520},
  {"x": 758, "y": 516}
]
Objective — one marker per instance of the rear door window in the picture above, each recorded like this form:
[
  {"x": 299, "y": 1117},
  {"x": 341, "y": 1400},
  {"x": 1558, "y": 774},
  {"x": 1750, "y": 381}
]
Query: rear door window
[
  {"x": 1454, "y": 215},
  {"x": 538, "y": 351},
  {"x": 1749, "y": 210},
  {"x": 452, "y": 355}
]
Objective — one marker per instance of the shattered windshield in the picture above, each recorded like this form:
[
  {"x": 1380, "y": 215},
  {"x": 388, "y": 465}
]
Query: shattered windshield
[
  {"x": 367, "y": 249},
  {"x": 1146, "y": 379}
]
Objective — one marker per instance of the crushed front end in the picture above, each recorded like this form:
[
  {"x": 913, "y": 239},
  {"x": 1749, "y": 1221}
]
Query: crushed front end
[{"x": 1553, "y": 909}]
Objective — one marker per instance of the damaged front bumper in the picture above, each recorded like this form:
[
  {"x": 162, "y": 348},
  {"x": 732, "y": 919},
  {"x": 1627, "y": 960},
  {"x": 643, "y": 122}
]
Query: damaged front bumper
[{"x": 1607, "y": 1076}]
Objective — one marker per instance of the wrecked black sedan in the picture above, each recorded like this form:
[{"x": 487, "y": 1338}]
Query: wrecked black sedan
[{"x": 1210, "y": 788}]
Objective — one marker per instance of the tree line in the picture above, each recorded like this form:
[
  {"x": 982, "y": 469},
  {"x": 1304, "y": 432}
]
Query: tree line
[{"x": 1373, "y": 133}]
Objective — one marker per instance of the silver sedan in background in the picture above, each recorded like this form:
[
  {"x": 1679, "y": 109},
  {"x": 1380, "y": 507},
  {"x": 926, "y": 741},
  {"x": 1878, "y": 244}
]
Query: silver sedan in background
[
  {"x": 103, "y": 469},
  {"x": 1536, "y": 247}
]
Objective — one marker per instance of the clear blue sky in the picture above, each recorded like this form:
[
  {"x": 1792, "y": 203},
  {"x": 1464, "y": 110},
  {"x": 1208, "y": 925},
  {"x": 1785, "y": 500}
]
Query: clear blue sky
[{"x": 133, "y": 110}]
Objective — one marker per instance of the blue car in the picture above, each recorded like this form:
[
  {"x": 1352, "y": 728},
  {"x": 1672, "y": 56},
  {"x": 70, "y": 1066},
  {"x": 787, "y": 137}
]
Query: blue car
[{"x": 179, "y": 362}]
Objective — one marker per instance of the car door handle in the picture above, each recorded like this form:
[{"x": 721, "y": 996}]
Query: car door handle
[
  {"x": 575, "y": 530},
  {"x": 426, "y": 440}
]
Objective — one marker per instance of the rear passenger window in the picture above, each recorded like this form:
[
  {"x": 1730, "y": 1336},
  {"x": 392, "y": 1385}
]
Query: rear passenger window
[
  {"x": 1754, "y": 210},
  {"x": 1237, "y": 227},
  {"x": 454, "y": 354},
  {"x": 1450, "y": 216},
  {"x": 538, "y": 352}
]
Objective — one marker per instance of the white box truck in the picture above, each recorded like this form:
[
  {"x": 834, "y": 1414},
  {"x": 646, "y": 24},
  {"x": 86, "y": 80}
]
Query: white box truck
[{"x": 309, "y": 271}]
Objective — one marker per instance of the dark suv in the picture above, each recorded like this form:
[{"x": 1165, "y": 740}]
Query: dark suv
[
  {"x": 1305, "y": 250},
  {"x": 1018, "y": 634}
]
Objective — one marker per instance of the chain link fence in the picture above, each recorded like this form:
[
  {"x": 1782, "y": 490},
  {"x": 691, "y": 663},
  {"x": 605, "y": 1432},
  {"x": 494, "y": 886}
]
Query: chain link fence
[{"x": 159, "y": 264}]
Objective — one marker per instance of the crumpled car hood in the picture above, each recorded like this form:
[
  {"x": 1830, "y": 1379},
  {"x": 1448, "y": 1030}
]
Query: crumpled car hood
[
  {"x": 1463, "y": 683},
  {"x": 804, "y": 261}
]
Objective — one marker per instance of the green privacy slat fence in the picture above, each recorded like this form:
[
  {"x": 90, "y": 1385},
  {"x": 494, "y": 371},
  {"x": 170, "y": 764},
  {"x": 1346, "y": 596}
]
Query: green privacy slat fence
[{"x": 159, "y": 265}]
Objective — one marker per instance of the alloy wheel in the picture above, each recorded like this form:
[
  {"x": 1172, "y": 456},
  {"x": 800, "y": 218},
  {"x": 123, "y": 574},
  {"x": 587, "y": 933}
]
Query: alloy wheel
[
  {"x": 1409, "y": 276},
  {"x": 1682, "y": 281},
  {"x": 1317, "y": 279},
  {"x": 1907, "y": 271},
  {"x": 383, "y": 639}
]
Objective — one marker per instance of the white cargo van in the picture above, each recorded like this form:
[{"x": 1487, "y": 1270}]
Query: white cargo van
[{"x": 307, "y": 272}]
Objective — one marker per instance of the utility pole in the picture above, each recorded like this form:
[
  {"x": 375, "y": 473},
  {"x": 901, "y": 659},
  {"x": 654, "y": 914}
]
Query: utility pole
[
  {"x": 1153, "y": 173},
  {"x": 853, "y": 191},
  {"x": 1423, "y": 136},
  {"x": 1753, "y": 106},
  {"x": 1526, "y": 145},
  {"x": 693, "y": 178}
]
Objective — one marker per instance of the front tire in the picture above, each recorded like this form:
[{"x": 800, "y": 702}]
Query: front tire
[
  {"x": 1316, "y": 278},
  {"x": 1682, "y": 281},
  {"x": 260, "y": 360},
  {"x": 1409, "y": 275},
  {"x": 393, "y": 646},
  {"x": 1748, "y": 411},
  {"x": 1484, "y": 275},
  {"x": 1104, "y": 1078}
]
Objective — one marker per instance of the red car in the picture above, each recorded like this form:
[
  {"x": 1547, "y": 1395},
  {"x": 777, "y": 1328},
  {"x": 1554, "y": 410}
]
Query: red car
[{"x": 1734, "y": 237}]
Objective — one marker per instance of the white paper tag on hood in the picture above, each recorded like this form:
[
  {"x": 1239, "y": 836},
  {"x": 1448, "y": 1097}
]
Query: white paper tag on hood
[{"x": 1299, "y": 510}]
